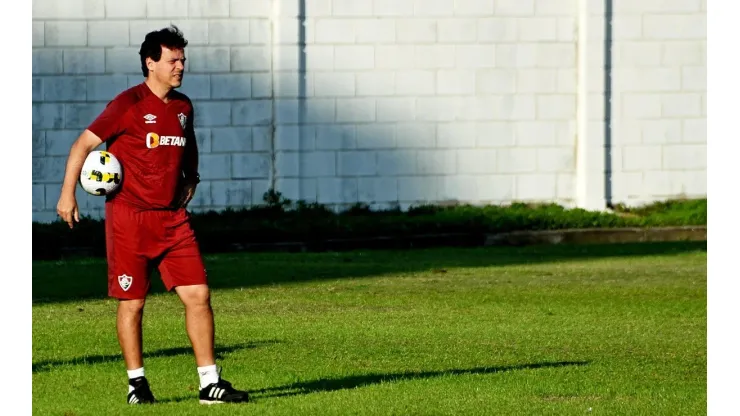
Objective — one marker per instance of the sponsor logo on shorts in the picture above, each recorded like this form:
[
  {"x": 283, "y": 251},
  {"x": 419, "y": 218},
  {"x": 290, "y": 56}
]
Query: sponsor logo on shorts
[
  {"x": 154, "y": 140},
  {"x": 125, "y": 281}
]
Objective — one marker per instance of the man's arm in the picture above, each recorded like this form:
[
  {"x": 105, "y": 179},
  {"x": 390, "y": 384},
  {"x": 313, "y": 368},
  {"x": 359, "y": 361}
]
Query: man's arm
[
  {"x": 190, "y": 164},
  {"x": 67, "y": 205},
  {"x": 106, "y": 125}
]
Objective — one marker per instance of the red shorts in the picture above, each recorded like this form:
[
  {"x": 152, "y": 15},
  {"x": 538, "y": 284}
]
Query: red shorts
[{"x": 138, "y": 241}]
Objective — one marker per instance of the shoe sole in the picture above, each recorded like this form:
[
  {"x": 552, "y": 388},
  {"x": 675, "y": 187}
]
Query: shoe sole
[
  {"x": 139, "y": 401},
  {"x": 209, "y": 402}
]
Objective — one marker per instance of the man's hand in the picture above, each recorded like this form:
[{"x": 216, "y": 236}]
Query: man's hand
[
  {"x": 67, "y": 206},
  {"x": 67, "y": 209},
  {"x": 188, "y": 192}
]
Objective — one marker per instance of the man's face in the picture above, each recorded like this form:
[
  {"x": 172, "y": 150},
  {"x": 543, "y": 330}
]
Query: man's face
[{"x": 170, "y": 68}]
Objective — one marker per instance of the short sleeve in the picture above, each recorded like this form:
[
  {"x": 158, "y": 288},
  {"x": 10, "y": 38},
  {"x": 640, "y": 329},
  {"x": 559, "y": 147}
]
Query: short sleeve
[{"x": 109, "y": 123}]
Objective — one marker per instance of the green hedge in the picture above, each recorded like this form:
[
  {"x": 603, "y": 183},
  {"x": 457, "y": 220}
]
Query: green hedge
[{"x": 281, "y": 221}]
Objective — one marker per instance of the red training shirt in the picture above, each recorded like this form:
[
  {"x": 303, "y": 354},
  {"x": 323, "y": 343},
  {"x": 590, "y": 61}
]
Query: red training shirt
[{"x": 155, "y": 143}]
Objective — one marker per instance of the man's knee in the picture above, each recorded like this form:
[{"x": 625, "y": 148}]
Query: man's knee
[
  {"x": 194, "y": 295},
  {"x": 131, "y": 306}
]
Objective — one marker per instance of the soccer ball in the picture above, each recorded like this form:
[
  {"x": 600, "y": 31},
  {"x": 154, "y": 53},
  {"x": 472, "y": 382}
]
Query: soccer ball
[{"x": 101, "y": 173}]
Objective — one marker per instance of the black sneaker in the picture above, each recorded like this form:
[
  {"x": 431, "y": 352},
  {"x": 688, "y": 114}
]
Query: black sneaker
[
  {"x": 141, "y": 392},
  {"x": 222, "y": 392}
]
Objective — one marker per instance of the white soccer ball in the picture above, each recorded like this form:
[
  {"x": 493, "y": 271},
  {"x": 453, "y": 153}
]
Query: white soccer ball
[{"x": 101, "y": 173}]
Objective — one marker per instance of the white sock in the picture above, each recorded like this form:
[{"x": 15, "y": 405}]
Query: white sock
[
  {"x": 208, "y": 375},
  {"x": 139, "y": 372}
]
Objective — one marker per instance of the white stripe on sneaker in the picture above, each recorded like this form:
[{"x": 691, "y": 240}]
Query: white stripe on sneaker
[
  {"x": 221, "y": 393},
  {"x": 210, "y": 393}
]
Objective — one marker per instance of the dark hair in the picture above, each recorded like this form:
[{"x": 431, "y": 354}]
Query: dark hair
[{"x": 169, "y": 37}]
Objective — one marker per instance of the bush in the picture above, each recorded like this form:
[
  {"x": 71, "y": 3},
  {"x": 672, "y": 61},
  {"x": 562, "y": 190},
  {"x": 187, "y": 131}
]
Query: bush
[{"x": 280, "y": 220}]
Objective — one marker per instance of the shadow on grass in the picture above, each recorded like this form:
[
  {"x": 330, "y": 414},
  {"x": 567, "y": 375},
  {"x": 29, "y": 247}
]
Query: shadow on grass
[
  {"x": 352, "y": 382},
  {"x": 48, "y": 365},
  {"x": 87, "y": 279}
]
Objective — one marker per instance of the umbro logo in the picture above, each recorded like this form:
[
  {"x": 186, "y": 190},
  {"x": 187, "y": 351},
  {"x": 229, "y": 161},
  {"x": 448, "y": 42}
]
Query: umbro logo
[{"x": 150, "y": 119}]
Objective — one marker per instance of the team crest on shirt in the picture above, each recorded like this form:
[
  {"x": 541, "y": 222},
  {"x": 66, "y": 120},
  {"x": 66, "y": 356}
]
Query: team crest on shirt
[
  {"x": 125, "y": 281},
  {"x": 183, "y": 120}
]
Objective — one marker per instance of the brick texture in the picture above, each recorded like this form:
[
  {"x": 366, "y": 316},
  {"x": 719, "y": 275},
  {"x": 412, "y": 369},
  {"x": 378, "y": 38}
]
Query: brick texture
[{"x": 399, "y": 102}]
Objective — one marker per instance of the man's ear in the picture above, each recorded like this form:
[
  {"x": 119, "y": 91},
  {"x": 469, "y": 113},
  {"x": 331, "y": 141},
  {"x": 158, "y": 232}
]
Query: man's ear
[{"x": 150, "y": 64}]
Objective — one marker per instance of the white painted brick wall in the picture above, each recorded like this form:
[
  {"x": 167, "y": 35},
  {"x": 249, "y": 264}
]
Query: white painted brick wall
[
  {"x": 354, "y": 57},
  {"x": 249, "y": 58},
  {"x": 47, "y": 61},
  {"x": 404, "y": 101},
  {"x": 333, "y": 84},
  {"x": 355, "y": 110},
  {"x": 250, "y": 165},
  {"x": 65, "y": 88},
  {"x": 318, "y": 164},
  {"x": 514, "y": 7},
  {"x": 165, "y": 9},
  {"x": 456, "y": 31},
  {"x": 231, "y": 139},
  {"x": 65, "y": 33},
  {"x": 231, "y": 86},
  {"x": 539, "y": 187},
  {"x": 381, "y": 189},
  {"x": 658, "y": 89},
  {"x": 336, "y": 190},
  {"x": 37, "y": 86},
  {"x": 395, "y": 109},
  {"x": 416, "y": 31},
  {"x": 375, "y": 31},
  {"x": 393, "y": 7},
  {"x": 107, "y": 33},
  {"x": 68, "y": 9},
  {"x": 331, "y": 136},
  {"x": 79, "y": 115},
  {"x": 212, "y": 113},
  {"x": 231, "y": 193},
  {"x": 77, "y": 61},
  {"x": 376, "y": 136},
  {"x": 396, "y": 162},
  {"x": 251, "y": 113},
  {"x": 118, "y": 61},
  {"x": 357, "y": 163},
  {"x": 105, "y": 87}
]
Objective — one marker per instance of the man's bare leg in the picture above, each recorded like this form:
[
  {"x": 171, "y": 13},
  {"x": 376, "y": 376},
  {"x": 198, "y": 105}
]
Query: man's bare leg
[
  {"x": 201, "y": 330},
  {"x": 199, "y": 322},
  {"x": 128, "y": 323}
]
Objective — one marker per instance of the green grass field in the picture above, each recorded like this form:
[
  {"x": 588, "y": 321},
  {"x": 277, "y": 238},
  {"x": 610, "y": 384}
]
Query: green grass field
[{"x": 563, "y": 330}]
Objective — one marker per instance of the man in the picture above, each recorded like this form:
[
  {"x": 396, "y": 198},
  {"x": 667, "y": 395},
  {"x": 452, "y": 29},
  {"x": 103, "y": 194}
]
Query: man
[{"x": 149, "y": 128}]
